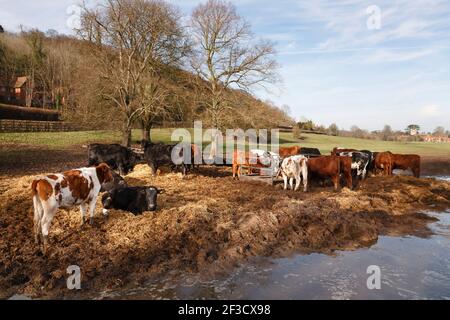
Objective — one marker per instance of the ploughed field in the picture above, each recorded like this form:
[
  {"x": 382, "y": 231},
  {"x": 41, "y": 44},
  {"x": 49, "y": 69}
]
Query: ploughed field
[{"x": 206, "y": 223}]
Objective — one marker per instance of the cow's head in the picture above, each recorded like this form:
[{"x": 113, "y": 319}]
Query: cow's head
[
  {"x": 104, "y": 173},
  {"x": 106, "y": 202},
  {"x": 151, "y": 195}
]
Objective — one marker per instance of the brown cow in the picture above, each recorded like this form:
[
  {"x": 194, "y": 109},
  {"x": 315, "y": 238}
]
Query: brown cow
[
  {"x": 289, "y": 151},
  {"x": 346, "y": 170},
  {"x": 383, "y": 161},
  {"x": 337, "y": 150},
  {"x": 326, "y": 166},
  {"x": 241, "y": 158},
  {"x": 405, "y": 162}
]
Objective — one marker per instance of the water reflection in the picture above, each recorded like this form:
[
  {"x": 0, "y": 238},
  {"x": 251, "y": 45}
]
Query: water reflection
[{"x": 411, "y": 268}]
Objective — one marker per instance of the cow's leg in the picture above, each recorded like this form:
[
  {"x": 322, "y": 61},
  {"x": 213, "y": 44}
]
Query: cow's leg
[
  {"x": 83, "y": 213},
  {"x": 336, "y": 181},
  {"x": 50, "y": 208},
  {"x": 92, "y": 209},
  {"x": 285, "y": 180},
  {"x": 38, "y": 213},
  {"x": 297, "y": 182},
  {"x": 291, "y": 183},
  {"x": 153, "y": 167},
  {"x": 305, "y": 177}
]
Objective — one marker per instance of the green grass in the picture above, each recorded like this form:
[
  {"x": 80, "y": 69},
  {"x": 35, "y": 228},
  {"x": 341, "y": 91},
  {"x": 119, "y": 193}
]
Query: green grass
[{"x": 59, "y": 140}]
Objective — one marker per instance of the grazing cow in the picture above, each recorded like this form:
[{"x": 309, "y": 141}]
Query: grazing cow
[
  {"x": 117, "y": 157},
  {"x": 405, "y": 162},
  {"x": 325, "y": 166},
  {"x": 346, "y": 170},
  {"x": 295, "y": 167},
  {"x": 75, "y": 187},
  {"x": 116, "y": 182},
  {"x": 132, "y": 199},
  {"x": 289, "y": 151},
  {"x": 314, "y": 152},
  {"x": 158, "y": 154},
  {"x": 360, "y": 161},
  {"x": 383, "y": 161}
]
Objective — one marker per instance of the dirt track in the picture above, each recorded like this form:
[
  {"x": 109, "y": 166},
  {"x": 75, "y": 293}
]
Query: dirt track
[{"x": 207, "y": 223}]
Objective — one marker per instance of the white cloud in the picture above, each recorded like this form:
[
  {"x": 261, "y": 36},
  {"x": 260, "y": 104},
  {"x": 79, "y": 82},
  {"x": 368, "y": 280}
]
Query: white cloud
[{"x": 430, "y": 111}]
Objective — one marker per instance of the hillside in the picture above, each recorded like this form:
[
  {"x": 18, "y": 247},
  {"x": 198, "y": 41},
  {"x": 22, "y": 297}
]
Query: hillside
[{"x": 67, "y": 74}]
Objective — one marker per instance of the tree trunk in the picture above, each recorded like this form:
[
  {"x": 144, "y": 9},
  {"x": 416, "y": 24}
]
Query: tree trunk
[
  {"x": 126, "y": 135},
  {"x": 145, "y": 129}
]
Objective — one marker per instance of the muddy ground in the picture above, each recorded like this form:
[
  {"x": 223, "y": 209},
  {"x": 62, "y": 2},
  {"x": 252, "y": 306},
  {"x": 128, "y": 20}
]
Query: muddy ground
[{"x": 206, "y": 223}]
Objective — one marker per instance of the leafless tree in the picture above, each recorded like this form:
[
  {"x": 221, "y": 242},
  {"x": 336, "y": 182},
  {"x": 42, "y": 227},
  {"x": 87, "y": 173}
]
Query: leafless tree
[
  {"x": 132, "y": 40},
  {"x": 227, "y": 56}
]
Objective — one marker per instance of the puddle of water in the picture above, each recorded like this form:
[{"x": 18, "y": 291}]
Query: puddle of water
[{"x": 411, "y": 268}]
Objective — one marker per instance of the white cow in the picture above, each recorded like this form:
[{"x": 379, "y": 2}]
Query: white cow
[{"x": 295, "y": 167}]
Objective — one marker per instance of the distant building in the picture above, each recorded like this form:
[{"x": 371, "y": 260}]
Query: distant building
[
  {"x": 19, "y": 93},
  {"x": 442, "y": 139}
]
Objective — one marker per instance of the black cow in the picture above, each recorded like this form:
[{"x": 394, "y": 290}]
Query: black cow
[
  {"x": 310, "y": 152},
  {"x": 159, "y": 154},
  {"x": 116, "y": 156},
  {"x": 360, "y": 162},
  {"x": 131, "y": 199}
]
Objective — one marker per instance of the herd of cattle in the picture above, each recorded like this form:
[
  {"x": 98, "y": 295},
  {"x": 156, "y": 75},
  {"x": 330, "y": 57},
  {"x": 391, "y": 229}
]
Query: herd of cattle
[{"x": 295, "y": 164}]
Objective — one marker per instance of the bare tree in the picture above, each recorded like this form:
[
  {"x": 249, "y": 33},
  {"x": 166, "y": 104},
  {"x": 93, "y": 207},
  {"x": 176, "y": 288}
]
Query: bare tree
[
  {"x": 227, "y": 56},
  {"x": 132, "y": 40}
]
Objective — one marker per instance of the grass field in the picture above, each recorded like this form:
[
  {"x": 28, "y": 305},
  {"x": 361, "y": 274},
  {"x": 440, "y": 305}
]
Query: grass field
[{"x": 62, "y": 140}]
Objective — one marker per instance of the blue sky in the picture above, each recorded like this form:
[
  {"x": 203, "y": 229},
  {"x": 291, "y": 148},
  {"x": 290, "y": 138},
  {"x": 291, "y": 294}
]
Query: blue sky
[{"x": 334, "y": 68}]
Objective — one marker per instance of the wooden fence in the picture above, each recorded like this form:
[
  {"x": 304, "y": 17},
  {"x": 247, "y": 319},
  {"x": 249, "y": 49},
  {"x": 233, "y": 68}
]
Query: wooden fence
[{"x": 36, "y": 126}]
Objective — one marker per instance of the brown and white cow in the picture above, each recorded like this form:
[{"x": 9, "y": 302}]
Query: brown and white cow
[
  {"x": 64, "y": 190},
  {"x": 337, "y": 150},
  {"x": 325, "y": 166}
]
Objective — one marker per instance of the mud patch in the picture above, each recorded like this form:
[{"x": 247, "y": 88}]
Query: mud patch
[{"x": 207, "y": 223}]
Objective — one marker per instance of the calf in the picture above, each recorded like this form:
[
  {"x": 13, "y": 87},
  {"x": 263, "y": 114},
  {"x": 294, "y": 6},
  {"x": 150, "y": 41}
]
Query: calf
[
  {"x": 383, "y": 161},
  {"x": 295, "y": 167},
  {"x": 131, "y": 199},
  {"x": 325, "y": 166},
  {"x": 405, "y": 162},
  {"x": 75, "y": 187},
  {"x": 116, "y": 156}
]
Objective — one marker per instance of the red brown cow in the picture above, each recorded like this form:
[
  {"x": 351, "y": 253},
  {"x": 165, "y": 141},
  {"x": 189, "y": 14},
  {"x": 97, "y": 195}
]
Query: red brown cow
[
  {"x": 326, "y": 166},
  {"x": 405, "y": 162},
  {"x": 383, "y": 161},
  {"x": 289, "y": 151},
  {"x": 346, "y": 170}
]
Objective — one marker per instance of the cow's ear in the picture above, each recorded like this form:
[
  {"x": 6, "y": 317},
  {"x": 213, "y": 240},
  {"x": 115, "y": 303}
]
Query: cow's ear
[{"x": 161, "y": 191}]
